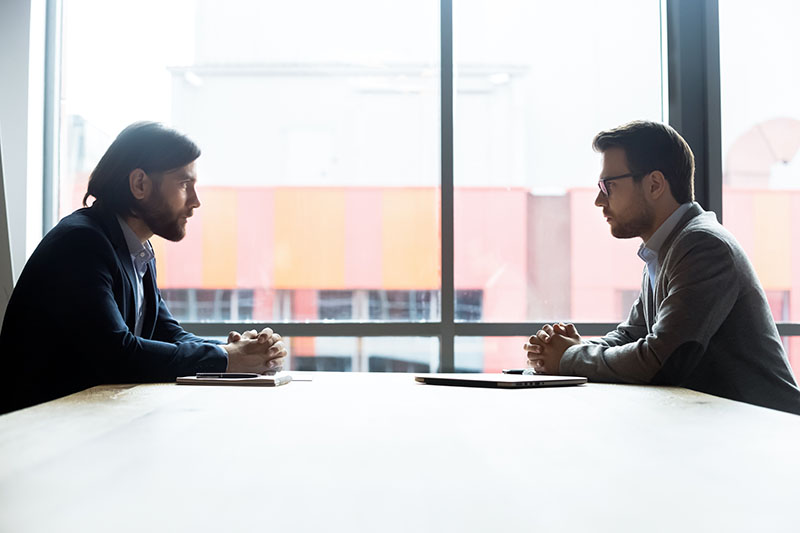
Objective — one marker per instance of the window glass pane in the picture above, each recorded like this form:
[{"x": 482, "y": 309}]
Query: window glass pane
[
  {"x": 489, "y": 354},
  {"x": 361, "y": 354},
  {"x": 178, "y": 302},
  {"x": 416, "y": 306},
  {"x": 760, "y": 107},
  {"x": 243, "y": 303},
  {"x": 320, "y": 135},
  {"x": 492, "y": 354},
  {"x": 469, "y": 305},
  {"x": 210, "y": 305},
  {"x": 336, "y": 305},
  {"x": 535, "y": 83}
]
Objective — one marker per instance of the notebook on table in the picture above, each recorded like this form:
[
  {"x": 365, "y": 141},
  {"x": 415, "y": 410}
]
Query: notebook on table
[
  {"x": 240, "y": 379},
  {"x": 500, "y": 381}
]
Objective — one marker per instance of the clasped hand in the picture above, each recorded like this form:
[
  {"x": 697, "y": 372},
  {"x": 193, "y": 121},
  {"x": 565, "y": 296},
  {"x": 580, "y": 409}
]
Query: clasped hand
[
  {"x": 253, "y": 351},
  {"x": 547, "y": 347}
]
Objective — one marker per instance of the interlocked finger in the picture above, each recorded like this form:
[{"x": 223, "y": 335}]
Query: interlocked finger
[
  {"x": 542, "y": 335},
  {"x": 532, "y": 348}
]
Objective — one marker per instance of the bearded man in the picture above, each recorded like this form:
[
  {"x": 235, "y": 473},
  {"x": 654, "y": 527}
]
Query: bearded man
[
  {"x": 86, "y": 310},
  {"x": 701, "y": 320}
]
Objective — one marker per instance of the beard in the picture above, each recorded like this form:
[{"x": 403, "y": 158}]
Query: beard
[
  {"x": 161, "y": 220},
  {"x": 636, "y": 225}
]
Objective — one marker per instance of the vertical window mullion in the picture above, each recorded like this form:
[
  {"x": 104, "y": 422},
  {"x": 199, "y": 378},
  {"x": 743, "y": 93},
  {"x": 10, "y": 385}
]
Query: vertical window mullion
[
  {"x": 51, "y": 125},
  {"x": 694, "y": 97},
  {"x": 447, "y": 331}
]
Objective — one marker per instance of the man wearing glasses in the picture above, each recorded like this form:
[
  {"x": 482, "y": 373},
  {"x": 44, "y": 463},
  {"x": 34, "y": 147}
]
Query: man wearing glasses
[{"x": 701, "y": 320}]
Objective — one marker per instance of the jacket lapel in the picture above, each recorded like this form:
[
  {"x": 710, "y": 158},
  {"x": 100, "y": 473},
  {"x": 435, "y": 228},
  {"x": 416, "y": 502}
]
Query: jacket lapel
[
  {"x": 658, "y": 295},
  {"x": 150, "y": 301},
  {"x": 114, "y": 232},
  {"x": 647, "y": 300},
  {"x": 693, "y": 211}
]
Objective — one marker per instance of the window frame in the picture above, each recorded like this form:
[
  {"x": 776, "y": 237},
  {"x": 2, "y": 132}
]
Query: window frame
[{"x": 691, "y": 100}]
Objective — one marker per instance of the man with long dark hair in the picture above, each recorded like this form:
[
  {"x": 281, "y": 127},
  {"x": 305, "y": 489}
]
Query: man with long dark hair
[
  {"x": 86, "y": 309},
  {"x": 702, "y": 320}
]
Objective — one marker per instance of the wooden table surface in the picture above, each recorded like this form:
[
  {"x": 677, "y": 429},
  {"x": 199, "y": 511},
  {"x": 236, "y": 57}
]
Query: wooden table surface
[{"x": 379, "y": 452}]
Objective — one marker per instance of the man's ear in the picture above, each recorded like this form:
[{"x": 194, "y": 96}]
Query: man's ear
[
  {"x": 140, "y": 184},
  {"x": 657, "y": 185}
]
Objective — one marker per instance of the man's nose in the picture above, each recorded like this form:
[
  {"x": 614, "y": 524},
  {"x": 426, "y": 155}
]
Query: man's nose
[
  {"x": 194, "y": 200},
  {"x": 601, "y": 200}
]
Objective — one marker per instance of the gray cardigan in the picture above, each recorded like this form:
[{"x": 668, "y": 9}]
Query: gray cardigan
[{"x": 706, "y": 326}]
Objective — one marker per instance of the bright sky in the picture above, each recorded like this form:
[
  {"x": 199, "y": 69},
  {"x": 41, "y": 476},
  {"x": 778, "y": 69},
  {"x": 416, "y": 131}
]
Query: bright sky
[{"x": 115, "y": 56}]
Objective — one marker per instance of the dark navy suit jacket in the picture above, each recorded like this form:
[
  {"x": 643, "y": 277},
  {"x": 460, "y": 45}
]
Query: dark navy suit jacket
[{"x": 69, "y": 324}]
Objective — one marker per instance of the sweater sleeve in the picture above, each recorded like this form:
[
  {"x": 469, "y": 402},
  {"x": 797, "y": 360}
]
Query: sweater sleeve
[{"x": 701, "y": 289}]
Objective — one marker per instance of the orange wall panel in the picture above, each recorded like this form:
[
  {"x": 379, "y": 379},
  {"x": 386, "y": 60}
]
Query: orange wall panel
[
  {"x": 255, "y": 237},
  {"x": 303, "y": 346},
  {"x": 411, "y": 252},
  {"x": 309, "y": 238},
  {"x": 219, "y": 239},
  {"x": 794, "y": 247},
  {"x": 180, "y": 264},
  {"x": 601, "y": 265},
  {"x": 490, "y": 252},
  {"x": 737, "y": 213},
  {"x": 794, "y": 355},
  {"x": 363, "y": 249},
  {"x": 772, "y": 259},
  {"x": 504, "y": 352},
  {"x": 162, "y": 263}
]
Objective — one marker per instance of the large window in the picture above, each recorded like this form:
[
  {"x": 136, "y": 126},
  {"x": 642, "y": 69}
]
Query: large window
[
  {"x": 327, "y": 163},
  {"x": 320, "y": 166},
  {"x": 760, "y": 103},
  {"x": 535, "y": 82},
  {"x": 320, "y": 169}
]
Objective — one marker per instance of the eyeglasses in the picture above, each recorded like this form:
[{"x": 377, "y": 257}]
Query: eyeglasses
[{"x": 601, "y": 183}]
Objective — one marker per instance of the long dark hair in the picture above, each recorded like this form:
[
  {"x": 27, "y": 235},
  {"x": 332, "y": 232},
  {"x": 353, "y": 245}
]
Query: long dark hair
[{"x": 150, "y": 146}]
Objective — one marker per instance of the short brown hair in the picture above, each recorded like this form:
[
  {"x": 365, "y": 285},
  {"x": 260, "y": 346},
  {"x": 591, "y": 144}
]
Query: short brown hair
[{"x": 653, "y": 146}]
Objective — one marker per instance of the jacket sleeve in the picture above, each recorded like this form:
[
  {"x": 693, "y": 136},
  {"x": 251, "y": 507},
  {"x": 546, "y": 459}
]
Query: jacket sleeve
[
  {"x": 111, "y": 349},
  {"x": 701, "y": 289}
]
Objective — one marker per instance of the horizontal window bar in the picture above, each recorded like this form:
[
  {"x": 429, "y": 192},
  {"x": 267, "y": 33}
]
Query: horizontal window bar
[
  {"x": 391, "y": 329},
  {"x": 511, "y": 329},
  {"x": 411, "y": 329},
  {"x": 788, "y": 329},
  {"x": 320, "y": 329}
]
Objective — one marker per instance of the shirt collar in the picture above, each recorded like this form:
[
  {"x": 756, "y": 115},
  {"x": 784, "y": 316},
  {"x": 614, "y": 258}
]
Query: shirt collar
[
  {"x": 135, "y": 246},
  {"x": 648, "y": 251}
]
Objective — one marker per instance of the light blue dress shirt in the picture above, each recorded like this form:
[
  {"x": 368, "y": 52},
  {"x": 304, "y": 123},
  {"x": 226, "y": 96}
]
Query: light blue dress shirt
[
  {"x": 141, "y": 254},
  {"x": 648, "y": 251}
]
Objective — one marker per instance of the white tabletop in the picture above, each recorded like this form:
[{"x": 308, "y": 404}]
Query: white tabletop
[{"x": 379, "y": 452}]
